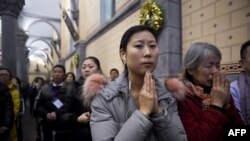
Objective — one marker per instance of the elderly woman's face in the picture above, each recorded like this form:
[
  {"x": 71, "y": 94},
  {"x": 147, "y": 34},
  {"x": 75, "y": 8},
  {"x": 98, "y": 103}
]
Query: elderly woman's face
[
  {"x": 142, "y": 53},
  {"x": 203, "y": 74}
]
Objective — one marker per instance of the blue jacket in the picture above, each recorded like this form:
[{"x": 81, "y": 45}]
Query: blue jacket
[{"x": 235, "y": 92}]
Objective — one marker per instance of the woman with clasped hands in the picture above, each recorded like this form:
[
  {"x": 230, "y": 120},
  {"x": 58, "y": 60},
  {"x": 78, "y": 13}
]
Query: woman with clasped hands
[
  {"x": 207, "y": 108},
  {"x": 136, "y": 106}
]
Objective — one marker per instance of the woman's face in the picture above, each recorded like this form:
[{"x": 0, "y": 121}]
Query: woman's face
[
  {"x": 88, "y": 68},
  {"x": 70, "y": 78},
  {"x": 142, "y": 53},
  {"x": 203, "y": 74}
]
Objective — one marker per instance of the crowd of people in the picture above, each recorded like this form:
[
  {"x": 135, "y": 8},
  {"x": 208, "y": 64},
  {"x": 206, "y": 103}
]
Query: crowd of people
[{"x": 199, "y": 105}]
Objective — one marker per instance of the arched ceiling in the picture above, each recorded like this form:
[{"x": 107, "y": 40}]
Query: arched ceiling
[{"x": 40, "y": 20}]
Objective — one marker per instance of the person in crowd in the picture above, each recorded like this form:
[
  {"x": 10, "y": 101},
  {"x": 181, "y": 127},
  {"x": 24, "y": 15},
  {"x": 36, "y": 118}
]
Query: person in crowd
[
  {"x": 240, "y": 88},
  {"x": 114, "y": 73},
  {"x": 84, "y": 73},
  {"x": 207, "y": 108},
  {"x": 35, "y": 87},
  {"x": 17, "y": 83},
  {"x": 50, "y": 102},
  {"x": 136, "y": 106},
  {"x": 6, "y": 112},
  {"x": 25, "y": 89},
  {"x": 34, "y": 90},
  {"x": 76, "y": 112},
  {"x": 70, "y": 79},
  {"x": 6, "y": 77}
]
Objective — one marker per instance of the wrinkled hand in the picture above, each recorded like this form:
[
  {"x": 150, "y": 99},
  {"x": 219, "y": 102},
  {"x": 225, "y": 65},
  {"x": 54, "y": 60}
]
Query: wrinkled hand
[
  {"x": 148, "y": 103},
  {"x": 84, "y": 118},
  {"x": 51, "y": 116},
  {"x": 220, "y": 93}
]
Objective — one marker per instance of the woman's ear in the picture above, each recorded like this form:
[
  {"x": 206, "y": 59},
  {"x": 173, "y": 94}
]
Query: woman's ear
[{"x": 123, "y": 56}]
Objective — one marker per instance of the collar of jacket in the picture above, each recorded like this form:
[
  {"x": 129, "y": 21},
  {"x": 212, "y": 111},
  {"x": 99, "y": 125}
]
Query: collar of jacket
[
  {"x": 121, "y": 87},
  {"x": 56, "y": 85}
]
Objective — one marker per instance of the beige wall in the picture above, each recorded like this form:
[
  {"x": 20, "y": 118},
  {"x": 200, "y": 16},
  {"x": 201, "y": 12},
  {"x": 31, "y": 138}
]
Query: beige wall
[
  {"x": 224, "y": 23},
  {"x": 106, "y": 48},
  {"x": 120, "y": 4},
  {"x": 65, "y": 34},
  {"x": 89, "y": 19},
  {"x": 67, "y": 40}
]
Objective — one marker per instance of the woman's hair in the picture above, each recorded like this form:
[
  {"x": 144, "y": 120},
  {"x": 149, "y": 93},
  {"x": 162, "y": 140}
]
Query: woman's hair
[
  {"x": 71, "y": 73},
  {"x": 96, "y": 61},
  {"x": 130, "y": 32},
  {"x": 6, "y": 69},
  {"x": 18, "y": 80},
  {"x": 197, "y": 54}
]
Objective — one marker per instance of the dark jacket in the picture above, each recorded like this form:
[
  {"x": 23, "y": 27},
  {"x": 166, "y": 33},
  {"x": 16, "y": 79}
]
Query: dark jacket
[
  {"x": 45, "y": 101},
  {"x": 72, "y": 110},
  {"x": 6, "y": 107}
]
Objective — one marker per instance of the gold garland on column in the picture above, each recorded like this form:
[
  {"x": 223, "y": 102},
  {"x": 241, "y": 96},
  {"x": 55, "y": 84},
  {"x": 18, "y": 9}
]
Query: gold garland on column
[
  {"x": 76, "y": 59},
  {"x": 151, "y": 14}
]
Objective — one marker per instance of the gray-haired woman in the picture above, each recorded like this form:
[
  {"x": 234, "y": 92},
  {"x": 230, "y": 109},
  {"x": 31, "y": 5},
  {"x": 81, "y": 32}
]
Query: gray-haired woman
[{"x": 207, "y": 108}]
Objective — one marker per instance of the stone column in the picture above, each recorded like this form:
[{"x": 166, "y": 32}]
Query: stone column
[
  {"x": 80, "y": 49},
  {"x": 169, "y": 42},
  {"x": 22, "y": 56},
  {"x": 9, "y": 10},
  {"x": 9, "y": 26}
]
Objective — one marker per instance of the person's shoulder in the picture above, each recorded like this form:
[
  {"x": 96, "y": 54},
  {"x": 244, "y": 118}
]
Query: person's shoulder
[
  {"x": 234, "y": 83},
  {"x": 110, "y": 90},
  {"x": 234, "y": 88}
]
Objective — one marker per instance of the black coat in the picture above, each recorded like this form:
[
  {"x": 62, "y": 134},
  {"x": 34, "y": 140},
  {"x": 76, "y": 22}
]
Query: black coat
[
  {"x": 73, "y": 108},
  {"x": 46, "y": 97},
  {"x": 6, "y": 107}
]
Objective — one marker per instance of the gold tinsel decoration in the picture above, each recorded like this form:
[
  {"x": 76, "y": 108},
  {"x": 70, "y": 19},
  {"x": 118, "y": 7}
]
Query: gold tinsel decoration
[
  {"x": 76, "y": 59},
  {"x": 151, "y": 14}
]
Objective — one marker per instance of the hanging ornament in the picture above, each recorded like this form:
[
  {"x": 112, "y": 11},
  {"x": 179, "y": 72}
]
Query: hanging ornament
[
  {"x": 76, "y": 59},
  {"x": 151, "y": 15}
]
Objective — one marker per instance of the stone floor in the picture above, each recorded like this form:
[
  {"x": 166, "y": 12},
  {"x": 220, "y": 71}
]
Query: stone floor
[{"x": 29, "y": 125}]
